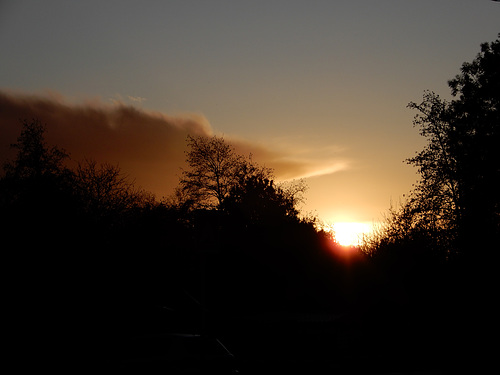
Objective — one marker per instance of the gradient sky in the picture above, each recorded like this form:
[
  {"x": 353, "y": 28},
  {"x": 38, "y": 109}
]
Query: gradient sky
[{"x": 322, "y": 82}]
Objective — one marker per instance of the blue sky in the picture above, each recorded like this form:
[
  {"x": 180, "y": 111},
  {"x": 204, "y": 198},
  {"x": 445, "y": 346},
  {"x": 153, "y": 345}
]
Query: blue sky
[{"x": 320, "y": 81}]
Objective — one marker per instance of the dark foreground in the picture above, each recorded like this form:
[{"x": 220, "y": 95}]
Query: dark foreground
[
  {"x": 178, "y": 336},
  {"x": 182, "y": 338}
]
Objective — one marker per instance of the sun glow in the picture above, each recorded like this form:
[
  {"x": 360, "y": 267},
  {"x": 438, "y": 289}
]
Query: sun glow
[{"x": 351, "y": 233}]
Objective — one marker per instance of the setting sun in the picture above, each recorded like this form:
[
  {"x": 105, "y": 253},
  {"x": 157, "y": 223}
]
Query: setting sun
[{"x": 351, "y": 233}]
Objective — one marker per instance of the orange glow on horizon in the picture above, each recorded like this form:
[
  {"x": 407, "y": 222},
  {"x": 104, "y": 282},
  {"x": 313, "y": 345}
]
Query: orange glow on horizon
[{"x": 351, "y": 233}]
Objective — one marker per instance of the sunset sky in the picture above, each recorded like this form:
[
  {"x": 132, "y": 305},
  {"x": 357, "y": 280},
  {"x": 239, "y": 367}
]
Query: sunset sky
[{"x": 314, "y": 89}]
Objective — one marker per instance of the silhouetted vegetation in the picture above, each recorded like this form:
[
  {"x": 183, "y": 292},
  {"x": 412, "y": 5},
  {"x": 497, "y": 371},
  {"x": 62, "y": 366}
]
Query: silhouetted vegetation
[
  {"x": 454, "y": 210},
  {"x": 95, "y": 260},
  {"x": 247, "y": 229},
  {"x": 97, "y": 256},
  {"x": 440, "y": 243}
]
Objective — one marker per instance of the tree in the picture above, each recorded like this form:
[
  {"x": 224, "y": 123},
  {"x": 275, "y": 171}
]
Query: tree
[
  {"x": 456, "y": 200},
  {"x": 35, "y": 159},
  {"x": 454, "y": 209},
  {"x": 36, "y": 188},
  {"x": 105, "y": 191},
  {"x": 435, "y": 201},
  {"x": 257, "y": 199},
  {"x": 410, "y": 231},
  {"x": 475, "y": 135},
  {"x": 214, "y": 168}
]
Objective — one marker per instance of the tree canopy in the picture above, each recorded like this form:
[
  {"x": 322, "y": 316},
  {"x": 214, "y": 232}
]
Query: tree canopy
[
  {"x": 456, "y": 202},
  {"x": 214, "y": 168},
  {"x": 35, "y": 159}
]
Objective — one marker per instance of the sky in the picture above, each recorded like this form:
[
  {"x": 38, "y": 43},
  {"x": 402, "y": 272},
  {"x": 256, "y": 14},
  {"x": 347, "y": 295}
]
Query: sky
[{"x": 314, "y": 89}]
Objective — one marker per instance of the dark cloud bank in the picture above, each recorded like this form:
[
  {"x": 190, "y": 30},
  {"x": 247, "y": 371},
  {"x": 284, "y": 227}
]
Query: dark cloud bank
[{"x": 148, "y": 146}]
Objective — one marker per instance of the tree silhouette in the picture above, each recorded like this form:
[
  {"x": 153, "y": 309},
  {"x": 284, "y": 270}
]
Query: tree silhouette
[
  {"x": 106, "y": 193},
  {"x": 36, "y": 194},
  {"x": 459, "y": 166},
  {"x": 259, "y": 200},
  {"x": 214, "y": 167},
  {"x": 97, "y": 257},
  {"x": 34, "y": 158},
  {"x": 456, "y": 201}
]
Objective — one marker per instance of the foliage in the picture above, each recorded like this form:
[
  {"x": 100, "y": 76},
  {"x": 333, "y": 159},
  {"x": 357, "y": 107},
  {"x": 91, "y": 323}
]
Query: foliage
[
  {"x": 34, "y": 159},
  {"x": 214, "y": 168},
  {"x": 259, "y": 200},
  {"x": 104, "y": 190},
  {"x": 41, "y": 196},
  {"x": 35, "y": 191},
  {"x": 409, "y": 231},
  {"x": 455, "y": 205},
  {"x": 98, "y": 255},
  {"x": 220, "y": 178},
  {"x": 92, "y": 252}
]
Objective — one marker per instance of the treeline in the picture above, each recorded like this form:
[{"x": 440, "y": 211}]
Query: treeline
[{"x": 90, "y": 253}]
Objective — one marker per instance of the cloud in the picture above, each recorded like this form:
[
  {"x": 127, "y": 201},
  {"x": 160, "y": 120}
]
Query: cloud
[
  {"x": 136, "y": 99},
  {"x": 119, "y": 99},
  {"x": 149, "y": 146},
  {"x": 292, "y": 169},
  {"x": 293, "y": 161}
]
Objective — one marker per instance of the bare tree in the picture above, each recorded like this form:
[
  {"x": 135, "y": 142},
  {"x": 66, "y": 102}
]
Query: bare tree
[
  {"x": 214, "y": 168},
  {"x": 105, "y": 189}
]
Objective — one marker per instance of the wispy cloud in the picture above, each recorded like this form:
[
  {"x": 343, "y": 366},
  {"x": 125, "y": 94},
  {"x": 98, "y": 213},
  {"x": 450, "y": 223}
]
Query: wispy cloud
[
  {"x": 148, "y": 145},
  {"x": 119, "y": 99},
  {"x": 136, "y": 99},
  {"x": 304, "y": 168},
  {"x": 294, "y": 160}
]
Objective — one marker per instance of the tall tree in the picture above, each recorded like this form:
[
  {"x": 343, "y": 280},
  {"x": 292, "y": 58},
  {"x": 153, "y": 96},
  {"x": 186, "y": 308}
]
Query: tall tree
[
  {"x": 37, "y": 178},
  {"x": 460, "y": 165},
  {"x": 455, "y": 206},
  {"x": 35, "y": 159}
]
